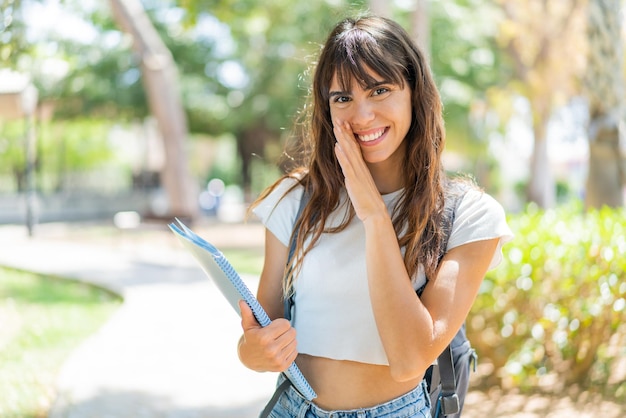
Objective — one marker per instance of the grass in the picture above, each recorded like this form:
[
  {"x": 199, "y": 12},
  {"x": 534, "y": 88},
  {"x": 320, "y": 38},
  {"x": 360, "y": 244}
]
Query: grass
[
  {"x": 42, "y": 319},
  {"x": 249, "y": 261}
]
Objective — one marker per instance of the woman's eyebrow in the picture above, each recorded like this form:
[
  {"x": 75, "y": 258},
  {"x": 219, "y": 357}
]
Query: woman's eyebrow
[
  {"x": 373, "y": 85},
  {"x": 377, "y": 84},
  {"x": 332, "y": 94}
]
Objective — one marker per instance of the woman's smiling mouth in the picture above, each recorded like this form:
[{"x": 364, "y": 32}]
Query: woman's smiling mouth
[{"x": 373, "y": 136}]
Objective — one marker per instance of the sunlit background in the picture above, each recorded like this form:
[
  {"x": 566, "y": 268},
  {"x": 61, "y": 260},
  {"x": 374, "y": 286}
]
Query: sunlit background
[{"x": 131, "y": 112}]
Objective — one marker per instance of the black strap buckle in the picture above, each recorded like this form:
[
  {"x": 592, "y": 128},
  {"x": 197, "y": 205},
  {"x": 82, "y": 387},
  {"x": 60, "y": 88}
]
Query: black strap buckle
[{"x": 449, "y": 404}]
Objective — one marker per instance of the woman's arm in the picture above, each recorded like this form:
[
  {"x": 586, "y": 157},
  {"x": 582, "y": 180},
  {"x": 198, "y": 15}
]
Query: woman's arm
[
  {"x": 413, "y": 331},
  {"x": 272, "y": 348}
]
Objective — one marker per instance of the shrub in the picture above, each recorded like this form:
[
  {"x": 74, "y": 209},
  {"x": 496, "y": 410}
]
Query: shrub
[{"x": 554, "y": 312}]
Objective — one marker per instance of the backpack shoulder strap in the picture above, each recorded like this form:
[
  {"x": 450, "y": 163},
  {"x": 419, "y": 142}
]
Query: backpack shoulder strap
[
  {"x": 452, "y": 199},
  {"x": 448, "y": 400}
]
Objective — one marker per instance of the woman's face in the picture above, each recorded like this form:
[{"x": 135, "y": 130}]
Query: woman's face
[{"x": 379, "y": 115}]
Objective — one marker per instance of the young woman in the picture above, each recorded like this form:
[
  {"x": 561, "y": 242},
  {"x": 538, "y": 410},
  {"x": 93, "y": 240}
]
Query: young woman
[{"x": 368, "y": 237}]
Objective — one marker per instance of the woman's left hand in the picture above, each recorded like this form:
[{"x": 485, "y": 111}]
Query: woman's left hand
[{"x": 360, "y": 185}]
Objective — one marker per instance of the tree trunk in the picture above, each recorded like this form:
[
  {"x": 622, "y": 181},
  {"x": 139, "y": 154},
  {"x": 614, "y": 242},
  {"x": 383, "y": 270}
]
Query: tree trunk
[
  {"x": 604, "y": 87},
  {"x": 420, "y": 30},
  {"x": 541, "y": 187},
  {"x": 251, "y": 144},
  {"x": 420, "y": 27},
  {"x": 605, "y": 176},
  {"x": 381, "y": 7},
  {"x": 160, "y": 79}
]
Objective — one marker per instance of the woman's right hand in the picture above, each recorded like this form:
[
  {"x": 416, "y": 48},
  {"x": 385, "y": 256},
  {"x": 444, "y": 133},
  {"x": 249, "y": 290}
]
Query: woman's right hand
[{"x": 266, "y": 349}]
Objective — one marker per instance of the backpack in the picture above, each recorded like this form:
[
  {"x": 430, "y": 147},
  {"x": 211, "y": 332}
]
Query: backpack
[{"x": 448, "y": 379}]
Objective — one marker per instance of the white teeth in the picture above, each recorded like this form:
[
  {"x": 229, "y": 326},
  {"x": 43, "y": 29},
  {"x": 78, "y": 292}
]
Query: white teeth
[{"x": 371, "y": 137}]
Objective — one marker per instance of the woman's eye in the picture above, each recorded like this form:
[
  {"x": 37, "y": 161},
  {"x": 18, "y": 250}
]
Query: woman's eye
[
  {"x": 340, "y": 101},
  {"x": 380, "y": 90}
]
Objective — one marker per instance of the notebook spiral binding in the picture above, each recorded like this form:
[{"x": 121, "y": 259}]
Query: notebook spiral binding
[{"x": 259, "y": 312}]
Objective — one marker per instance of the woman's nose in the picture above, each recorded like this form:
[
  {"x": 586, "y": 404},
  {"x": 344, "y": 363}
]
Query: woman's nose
[{"x": 362, "y": 114}]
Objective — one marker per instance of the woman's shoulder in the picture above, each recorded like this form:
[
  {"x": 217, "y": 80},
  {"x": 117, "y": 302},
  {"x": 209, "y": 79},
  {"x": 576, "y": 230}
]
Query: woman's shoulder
[
  {"x": 288, "y": 184},
  {"x": 475, "y": 199},
  {"x": 278, "y": 205},
  {"x": 478, "y": 216},
  {"x": 464, "y": 194},
  {"x": 456, "y": 188},
  {"x": 286, "y": 189}
]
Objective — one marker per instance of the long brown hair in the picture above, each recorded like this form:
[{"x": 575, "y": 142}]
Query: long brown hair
[{"x": 355, "y": 46}]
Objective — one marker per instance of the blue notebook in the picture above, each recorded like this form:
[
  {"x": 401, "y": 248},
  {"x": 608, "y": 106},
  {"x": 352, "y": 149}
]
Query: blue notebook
[{"x": 234, "y": 289}]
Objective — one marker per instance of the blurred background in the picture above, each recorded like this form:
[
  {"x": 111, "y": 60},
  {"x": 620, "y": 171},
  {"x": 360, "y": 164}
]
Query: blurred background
[
  {"x": 140, "y": 105},
  {"x": 136, "y": 111}
]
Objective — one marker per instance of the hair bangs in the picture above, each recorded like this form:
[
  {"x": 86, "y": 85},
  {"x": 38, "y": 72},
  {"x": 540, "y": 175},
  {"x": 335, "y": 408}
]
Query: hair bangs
[{"x": 360, "y": 56}]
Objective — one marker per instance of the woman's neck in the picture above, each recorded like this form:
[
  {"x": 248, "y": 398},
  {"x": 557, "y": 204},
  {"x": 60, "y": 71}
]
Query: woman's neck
[{"x": 388, "y": 175}]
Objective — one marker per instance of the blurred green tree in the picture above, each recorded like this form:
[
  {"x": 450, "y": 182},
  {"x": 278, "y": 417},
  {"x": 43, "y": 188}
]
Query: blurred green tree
[
  {"x": 468, "y": 66},
  {"x": 542, "y": 40},
  {"x": 12, "y": 39},
  {"x": 244, "y": 66},
  {"x": 78, "y": 76}
]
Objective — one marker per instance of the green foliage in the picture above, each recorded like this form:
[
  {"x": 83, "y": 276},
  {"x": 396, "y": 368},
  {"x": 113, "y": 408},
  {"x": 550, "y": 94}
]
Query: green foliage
[
  {"x": 12, "y": 33},
  {"x": 554, "y": 312},
  {"x": 63, "y": 147},
  {"x": 72, "y": 146},
  {"x": 43, "y": 320},
  {"x": 271, "y": 43},
  {"x": 84, "y": 143},
  {"x": 466, "y": 64},
  {"x": 12, "y": 147},
  {"x": 102, "y": 78}
]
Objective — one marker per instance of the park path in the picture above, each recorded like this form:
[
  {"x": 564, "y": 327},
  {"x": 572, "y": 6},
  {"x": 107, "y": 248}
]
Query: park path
[{"x": 170, "y": 350}]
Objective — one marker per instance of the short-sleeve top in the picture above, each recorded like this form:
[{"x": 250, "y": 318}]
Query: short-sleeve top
[{"x": 333, "y": 314}]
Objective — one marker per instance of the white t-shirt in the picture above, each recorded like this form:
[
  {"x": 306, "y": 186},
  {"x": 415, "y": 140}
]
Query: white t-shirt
[{"x": 333, "y": 314}]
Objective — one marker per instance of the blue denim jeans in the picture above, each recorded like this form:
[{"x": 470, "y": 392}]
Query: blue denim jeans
[{"x": 415, "y": 404}]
